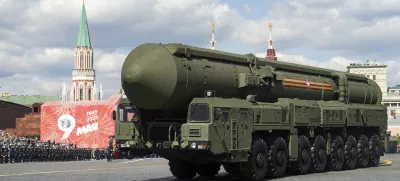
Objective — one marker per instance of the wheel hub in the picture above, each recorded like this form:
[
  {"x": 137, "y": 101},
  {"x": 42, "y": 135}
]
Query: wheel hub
[
  {"x": 353, "y": 153},
  {"x": 280, "y": 158},
  {"x": 340, "y": 154},
  {"x": 376, "y": 153},
  {"x": 366, "y": 152},
  {"x": 260, "y": 163},
  {"x": 321, "y": 155},
  {"x": 304, "y": 156}
]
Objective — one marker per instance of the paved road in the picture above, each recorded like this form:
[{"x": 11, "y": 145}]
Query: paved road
[{"x": 158, "y": 170}]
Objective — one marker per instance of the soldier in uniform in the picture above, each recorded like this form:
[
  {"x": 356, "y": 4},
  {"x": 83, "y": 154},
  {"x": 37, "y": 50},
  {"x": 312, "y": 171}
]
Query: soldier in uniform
[
  {"x": 102, "y": 154},
  {"x": 110, "y": 147},
  {"x": 3, "y": 153}
]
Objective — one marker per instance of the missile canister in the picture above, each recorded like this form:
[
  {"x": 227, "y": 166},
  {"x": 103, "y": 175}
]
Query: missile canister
[{"x": 169, "y": 76}]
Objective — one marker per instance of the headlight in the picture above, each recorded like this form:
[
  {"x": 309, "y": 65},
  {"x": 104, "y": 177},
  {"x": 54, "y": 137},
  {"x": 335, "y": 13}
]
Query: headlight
[
  {"x": 193, "y": 145},
  {"x": 200, "y": 145}
]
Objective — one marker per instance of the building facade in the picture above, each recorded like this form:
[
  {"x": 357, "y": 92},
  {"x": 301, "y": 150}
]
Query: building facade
[
  {"x": 393, "y": 102},
  {"x": 83, "y": 86},
  {"x": 27, "y": 100},
  {"x": 9, "y": 111},
  {"x": 376, "y": 71}
]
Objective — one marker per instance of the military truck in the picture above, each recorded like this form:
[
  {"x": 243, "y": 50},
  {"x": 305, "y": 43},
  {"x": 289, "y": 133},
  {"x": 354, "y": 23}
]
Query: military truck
[
  {"x": 202, "y": 108},
  {"x": 124, "y": 126}
]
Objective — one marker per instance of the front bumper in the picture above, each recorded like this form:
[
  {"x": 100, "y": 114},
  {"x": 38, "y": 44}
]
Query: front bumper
[{"x": 196, "y": 145}]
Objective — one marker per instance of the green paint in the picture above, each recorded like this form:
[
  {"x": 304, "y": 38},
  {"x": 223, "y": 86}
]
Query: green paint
[
  {"x": 29, "y": 100},
  {"x": 261, "y": 109},
  {"x": 83, "y": 36}
]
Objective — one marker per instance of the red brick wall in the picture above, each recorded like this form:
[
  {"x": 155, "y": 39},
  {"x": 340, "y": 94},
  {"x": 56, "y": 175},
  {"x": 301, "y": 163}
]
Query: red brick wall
[{"x": 27, "y": 126}]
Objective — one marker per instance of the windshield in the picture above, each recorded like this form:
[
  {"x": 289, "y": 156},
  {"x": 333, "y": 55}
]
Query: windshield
[
  {"x": 199, "y": 112},
  {"x": 126, "y": 113}
]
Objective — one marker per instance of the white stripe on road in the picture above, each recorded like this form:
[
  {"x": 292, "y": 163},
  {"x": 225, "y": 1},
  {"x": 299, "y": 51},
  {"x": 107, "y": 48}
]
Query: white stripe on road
[
  {"x": 140, "y": 160},
  {"x": 134, "y": 161}
]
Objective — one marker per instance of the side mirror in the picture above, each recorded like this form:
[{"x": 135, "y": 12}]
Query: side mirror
[{"x": 114, "y": 115}]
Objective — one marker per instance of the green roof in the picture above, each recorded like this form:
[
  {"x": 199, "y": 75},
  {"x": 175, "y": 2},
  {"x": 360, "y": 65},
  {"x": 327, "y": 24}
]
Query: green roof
[
  {"x": 28, "y": 100},
  {"x": 83, "y": 35},
  {"x": 395, "y": 87}
]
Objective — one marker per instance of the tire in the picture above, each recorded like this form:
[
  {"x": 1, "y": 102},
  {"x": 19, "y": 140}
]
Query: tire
[
  {"x": 256, "y": 167},
  {"x": 181, "y": 169},
  {"x": 278, "y": 158},
  {"x": 303, "y": 163},
  {"x": 318, "y": 154},
  {"x": 129, "y": 155},
  {"x": 363, "y": 151},
  {"x": 208, "y": 170},
  {"x": 374, "y": 146},
  {"x": 337, "y": 154},
  {"x": 350, "y": 153},
  {"x": 232, "y": 168}
]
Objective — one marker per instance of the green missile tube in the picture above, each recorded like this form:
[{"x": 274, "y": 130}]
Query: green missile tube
[{"x": 169, "y": 76}]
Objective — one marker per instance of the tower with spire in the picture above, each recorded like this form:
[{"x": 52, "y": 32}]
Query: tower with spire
[
  {"x": 83, "y": 86},
  {"x": 64, "y": 92},
  {"x": 213, "y": 42},
  {"x": 270, "y": 51}
]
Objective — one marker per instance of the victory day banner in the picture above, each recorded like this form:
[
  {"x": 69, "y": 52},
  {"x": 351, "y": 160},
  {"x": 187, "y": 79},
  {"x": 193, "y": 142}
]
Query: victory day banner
[{"x": 87, "y": 124}]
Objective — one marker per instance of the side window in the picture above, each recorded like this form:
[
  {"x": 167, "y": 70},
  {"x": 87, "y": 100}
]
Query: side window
[{"x": 121, "y": 114}]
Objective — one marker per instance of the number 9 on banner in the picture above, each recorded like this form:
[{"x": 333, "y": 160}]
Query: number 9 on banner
[{"x": 66, "y": 123}]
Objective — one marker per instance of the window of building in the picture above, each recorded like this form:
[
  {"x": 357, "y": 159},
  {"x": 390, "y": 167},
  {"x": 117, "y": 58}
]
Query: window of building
[
  {"x": 374, "y": 77},
  {"x": 81, "y": 95},
  {"x": 90, "y": 94},
  {"x": 81, "y": 61}
]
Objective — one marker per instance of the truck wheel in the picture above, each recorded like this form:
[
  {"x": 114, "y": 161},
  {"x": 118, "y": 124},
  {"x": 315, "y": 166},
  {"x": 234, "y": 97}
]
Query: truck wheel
[
  {"x": 182, "y": 170},
  {"x": 232, "y": 168},
  {"x": 278, "y": 158},
  {"x": 337, "y": 154},
  {"x": 318, "y": 154},
  {"x": 255, "y": 169},
  {"x": 350, "y": 153},
  {"x": 303, "y": 163},
  {"x": 363, "y": 151},
  {"x": 208, "y": 170},
  {"x": 129, "y": 155},
  {"x": 375, "y": 151}
]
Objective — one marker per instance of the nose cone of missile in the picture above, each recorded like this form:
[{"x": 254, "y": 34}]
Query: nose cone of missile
[{"x": 149, "y": 76}]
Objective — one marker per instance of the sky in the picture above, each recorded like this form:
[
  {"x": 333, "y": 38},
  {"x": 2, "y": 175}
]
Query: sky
[{"x": 37, "y": 37}]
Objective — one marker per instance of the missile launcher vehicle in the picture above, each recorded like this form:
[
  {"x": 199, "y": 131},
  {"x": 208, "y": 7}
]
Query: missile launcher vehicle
[{"x": 202, "y": 108}]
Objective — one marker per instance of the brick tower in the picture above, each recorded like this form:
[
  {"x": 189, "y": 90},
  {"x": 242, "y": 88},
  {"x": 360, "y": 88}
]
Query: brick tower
[
  {"x": 83, "y": 74},
  {"x": 271, "y": 51}
]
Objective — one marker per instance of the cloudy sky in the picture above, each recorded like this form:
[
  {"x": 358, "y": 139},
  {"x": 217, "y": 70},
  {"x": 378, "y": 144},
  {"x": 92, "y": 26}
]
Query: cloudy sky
[{"x": 37, "y": 38}]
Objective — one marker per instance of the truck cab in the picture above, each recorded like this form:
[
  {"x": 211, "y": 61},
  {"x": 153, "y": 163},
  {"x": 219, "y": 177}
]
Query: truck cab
[
  {"x": 219, "y": 126},
  {"x": 124, "y": 116}
]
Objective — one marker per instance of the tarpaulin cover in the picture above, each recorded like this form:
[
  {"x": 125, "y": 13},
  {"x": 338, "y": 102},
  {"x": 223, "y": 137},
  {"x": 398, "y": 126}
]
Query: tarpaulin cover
[{"x": 87, "y": 124}]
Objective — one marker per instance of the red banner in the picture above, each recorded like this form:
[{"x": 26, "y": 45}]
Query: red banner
[{"x": 87, "y": 124}]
